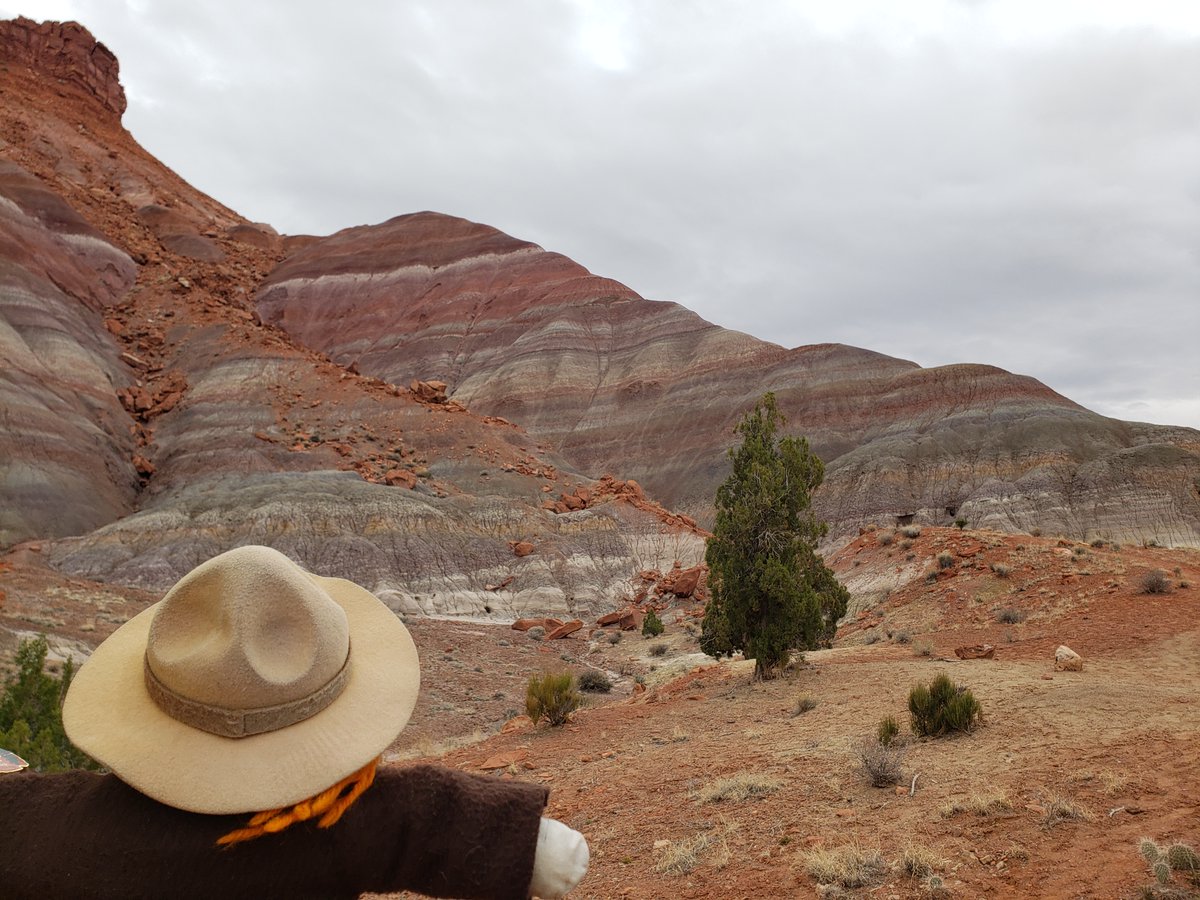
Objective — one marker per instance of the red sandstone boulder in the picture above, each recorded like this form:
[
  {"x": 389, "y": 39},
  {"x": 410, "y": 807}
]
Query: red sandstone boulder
[
  {"x": 429, "y": 391},
  {"x": 400, "y": 478},
  {"x": 526, "y": 624},
  {"x": 563, "y": 630},
  {"x": 521, "y": 548}
]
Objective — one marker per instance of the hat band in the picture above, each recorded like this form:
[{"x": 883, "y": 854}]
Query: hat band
[{"x": 238, "y": 723}]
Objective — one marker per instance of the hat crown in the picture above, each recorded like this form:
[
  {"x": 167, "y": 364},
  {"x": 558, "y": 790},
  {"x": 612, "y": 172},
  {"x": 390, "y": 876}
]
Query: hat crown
[{"x": 247, "y": 629}]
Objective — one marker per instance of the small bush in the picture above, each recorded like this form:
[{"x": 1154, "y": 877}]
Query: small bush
[
  {"x": 594, "y": 681},
  {"x": 888, "y": 731},
  {"x": 1001, "y": 570},
  {"x": 942, "y": 707},
  {"x": 945, "y": 560},
  {"x": 652, "y": 625},
  {"x": 536, "y": 633},
  {"x": 1098, "y": 543},
  {"x": 1010, "y": 616},
  {"x": 960, "y": 523},
  {"x": 1155, "y": 582},
  {"x": 1035, "y": 532},
  {"x": 886, "y": 538},
  {"x": 911, "y": 531},
  {"x": 922, "y": 648},
  {"x": 615, "y": 637},
  {"x": 882, "y": 763},
  {"x": 552, "y": 697},
  {"x": 903, "y": 637},
  {"x": 805, "y": 703},
  {"x": 906, "y": 545},
  {"x": 658, "y": 650},
  {"x": 871, "y": 637}
]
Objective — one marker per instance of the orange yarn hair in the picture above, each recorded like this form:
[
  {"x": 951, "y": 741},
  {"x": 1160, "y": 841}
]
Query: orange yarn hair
[{"x": 329, "y": 805}]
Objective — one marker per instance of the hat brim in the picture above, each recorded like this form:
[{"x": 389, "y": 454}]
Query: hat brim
[{"x": 110, "y": 716}]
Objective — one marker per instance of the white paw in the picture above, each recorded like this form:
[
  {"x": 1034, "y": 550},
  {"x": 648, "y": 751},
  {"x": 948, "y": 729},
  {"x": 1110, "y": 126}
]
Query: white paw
[{"x": 561, "y": 860}]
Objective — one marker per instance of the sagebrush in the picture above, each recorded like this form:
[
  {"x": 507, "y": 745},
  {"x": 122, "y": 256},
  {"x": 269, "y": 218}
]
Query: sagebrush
[
  {"x": 595, "y": 681},
  {"x": 552, "y": 697}
]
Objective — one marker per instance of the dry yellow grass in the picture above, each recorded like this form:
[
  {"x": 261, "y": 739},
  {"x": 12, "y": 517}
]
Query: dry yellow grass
[
  {"x": 977, "y": 804},
  {"x": 848, "y": 866},
  {"x": 738, "y": 787}
]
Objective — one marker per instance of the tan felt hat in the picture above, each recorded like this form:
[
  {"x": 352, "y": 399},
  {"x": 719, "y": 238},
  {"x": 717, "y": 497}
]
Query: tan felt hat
[{"x": 251, "y": 685}]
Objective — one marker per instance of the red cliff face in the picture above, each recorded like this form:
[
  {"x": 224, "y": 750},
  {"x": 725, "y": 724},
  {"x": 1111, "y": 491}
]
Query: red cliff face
[{"x": 65, "y": 51}]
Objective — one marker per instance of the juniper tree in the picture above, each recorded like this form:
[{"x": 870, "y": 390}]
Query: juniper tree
[
  {"x": 31, "y": 712},
  {"x": 770, "y": 591}
]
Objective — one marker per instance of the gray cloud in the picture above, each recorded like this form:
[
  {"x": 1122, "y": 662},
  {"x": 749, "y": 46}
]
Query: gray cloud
[{"x": 952, "y": 187}]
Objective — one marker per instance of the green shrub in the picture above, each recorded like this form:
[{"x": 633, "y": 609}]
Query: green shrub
[
  {"x": 595, "y": 681},
  {"x": 652, "y": 625},
  {"x": 942, "y": 707},
  {"x": 960, "y": 523},
  {"x": 31, "y": 712},
  {"x": 552, "y": 697},
  {"x": 889, "y": 730},
  {"x": 945, "y": 560}
]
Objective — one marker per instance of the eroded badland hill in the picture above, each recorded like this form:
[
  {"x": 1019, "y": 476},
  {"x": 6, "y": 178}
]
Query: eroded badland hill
[{"x": 474, "y": 427}]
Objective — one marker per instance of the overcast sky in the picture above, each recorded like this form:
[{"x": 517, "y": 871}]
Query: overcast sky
[{"x": 1012, "y": 182}]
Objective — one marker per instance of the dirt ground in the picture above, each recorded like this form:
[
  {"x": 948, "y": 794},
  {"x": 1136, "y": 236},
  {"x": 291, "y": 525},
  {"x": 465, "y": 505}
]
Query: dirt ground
[{"x": 1115, "y": 747}]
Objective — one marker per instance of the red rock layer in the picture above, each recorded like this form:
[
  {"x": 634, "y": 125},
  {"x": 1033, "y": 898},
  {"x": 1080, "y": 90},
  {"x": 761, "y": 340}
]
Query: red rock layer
[
  {"x": 65, "y": 51},
  {"x": 650, "y": 390}
]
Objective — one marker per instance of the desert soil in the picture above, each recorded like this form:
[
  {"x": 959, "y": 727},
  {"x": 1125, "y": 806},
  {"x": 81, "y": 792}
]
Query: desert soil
[{"x": 1118, "y": 742}]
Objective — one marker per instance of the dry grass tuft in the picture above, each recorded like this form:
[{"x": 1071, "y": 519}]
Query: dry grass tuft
[
  {"x": 680, "y": 857},
  {"x": 849, "y": 866},
  {"x": 738, "y": 787},
  {"x": 918, "y": 861},
  {"x": 1063, "y": 809},
  {"x": 978, "y": 804}
]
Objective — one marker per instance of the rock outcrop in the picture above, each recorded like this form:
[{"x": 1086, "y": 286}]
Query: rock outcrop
[
  {"x": 66, "y": 52},
  {"x": 617, "y": 383}
]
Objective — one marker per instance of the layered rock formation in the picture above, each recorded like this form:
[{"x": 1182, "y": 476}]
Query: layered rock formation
[
  {"x": 65, "y": 448},
  {"x": 615, "y": 382},
  {"x": 177, "y": 384},
  {"x": 150, "y": 420}
]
